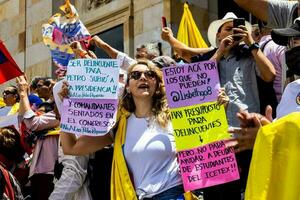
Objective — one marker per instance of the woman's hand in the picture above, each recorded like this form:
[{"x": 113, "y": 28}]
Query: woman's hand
[
  {"x": 223, "y": 99},
  {"x": 77, "y": 49},
  {"x": 80, "y": 53},
  {"x": 64, "y": 91},
  {"x": 22, "y": 85}
]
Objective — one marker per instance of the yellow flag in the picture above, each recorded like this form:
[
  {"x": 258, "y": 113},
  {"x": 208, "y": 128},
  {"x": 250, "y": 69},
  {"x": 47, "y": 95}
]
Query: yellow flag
[
  {"x": 188, "y": 32},
  {"x": 274, "y": 172}
]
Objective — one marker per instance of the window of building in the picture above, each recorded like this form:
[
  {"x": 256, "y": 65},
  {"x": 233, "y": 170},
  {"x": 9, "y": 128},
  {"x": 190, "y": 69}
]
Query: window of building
[{"x": 113, "y": 37}]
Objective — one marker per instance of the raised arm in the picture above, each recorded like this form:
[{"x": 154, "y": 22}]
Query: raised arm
[
  {"x": 23, "y": 92},
  {"x": 265, "y": 67},
  {"x": 33, "y": 121},
  {"x": 183, "y": 50},
  {"x": 111, "y": 52},
  {"x": 80, "y": 53},
  {"x": 259, "y": 8},
  {"x": 84, "y": 144},
  {"x": 278, "y": 14}
]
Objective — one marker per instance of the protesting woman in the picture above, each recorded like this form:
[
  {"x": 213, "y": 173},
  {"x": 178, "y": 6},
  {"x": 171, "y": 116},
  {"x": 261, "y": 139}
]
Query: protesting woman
[{"x": 144, "y": 163}]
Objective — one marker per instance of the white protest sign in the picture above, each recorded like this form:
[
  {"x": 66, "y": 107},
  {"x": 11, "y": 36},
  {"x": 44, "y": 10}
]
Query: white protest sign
[{"x": 93, "y": 78}]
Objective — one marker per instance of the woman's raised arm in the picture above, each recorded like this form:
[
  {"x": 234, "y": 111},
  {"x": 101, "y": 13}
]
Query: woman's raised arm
[{"x": 84, "y": 144}]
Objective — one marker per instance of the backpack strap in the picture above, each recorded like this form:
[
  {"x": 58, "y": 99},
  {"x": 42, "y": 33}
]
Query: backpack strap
[
  {"x": 262, "y": 48},
  {"x": 8, "y": 189}
]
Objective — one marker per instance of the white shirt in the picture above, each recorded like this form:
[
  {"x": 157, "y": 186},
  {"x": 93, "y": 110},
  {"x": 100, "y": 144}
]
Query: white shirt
[
  {"x": 290, "y": 101},
  {"x": 151, "y": 156}
]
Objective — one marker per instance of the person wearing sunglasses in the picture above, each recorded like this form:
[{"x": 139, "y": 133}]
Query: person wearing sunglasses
[
  {"x": 42, "y": 128},
  {"x": 143, "y": 130},
  {"x": 11, "y": 99}
]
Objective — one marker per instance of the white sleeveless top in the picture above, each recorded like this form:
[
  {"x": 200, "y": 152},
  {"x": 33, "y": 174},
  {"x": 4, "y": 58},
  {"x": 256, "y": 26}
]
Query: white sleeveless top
[{"x": 151, "y": 156}]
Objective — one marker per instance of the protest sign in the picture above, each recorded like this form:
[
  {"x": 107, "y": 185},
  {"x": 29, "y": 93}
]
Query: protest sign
[
  {"x": 88, "y": 116},
  {"x": 191, "y": 84},
  {"x": 93, "y": 78},
  {"x": 198, "y": 125},
  {"x": 208, "y": 165}
]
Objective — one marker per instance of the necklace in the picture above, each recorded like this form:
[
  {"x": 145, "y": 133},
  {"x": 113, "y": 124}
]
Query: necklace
[{"x": 147, "y": 118}]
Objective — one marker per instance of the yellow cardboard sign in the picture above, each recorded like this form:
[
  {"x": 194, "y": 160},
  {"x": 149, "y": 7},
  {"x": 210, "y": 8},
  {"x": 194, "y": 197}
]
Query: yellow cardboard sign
[{"x": 199, "y": 124}]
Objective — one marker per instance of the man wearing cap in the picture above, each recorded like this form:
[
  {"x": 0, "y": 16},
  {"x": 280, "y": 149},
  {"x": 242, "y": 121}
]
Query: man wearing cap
[
  {"x": 278, "y": 14},
  {"x": 290, "y": 37},
  {"x": 239, "y": 65}
]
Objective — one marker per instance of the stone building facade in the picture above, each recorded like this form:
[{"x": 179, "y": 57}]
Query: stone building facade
[{"x": 140, "y": 21}]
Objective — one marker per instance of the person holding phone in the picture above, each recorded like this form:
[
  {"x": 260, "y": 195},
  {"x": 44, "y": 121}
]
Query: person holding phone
[{"x": 240, "y": 61}]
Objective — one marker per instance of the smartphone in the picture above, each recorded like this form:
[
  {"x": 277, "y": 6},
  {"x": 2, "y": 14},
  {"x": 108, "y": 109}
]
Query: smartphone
[
  {"x": 236, "y": 23},
  {"x": 164, "y": 21}
]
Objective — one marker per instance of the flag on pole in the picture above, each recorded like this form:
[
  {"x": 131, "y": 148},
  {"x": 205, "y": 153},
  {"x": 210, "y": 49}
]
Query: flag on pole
[
  {"x": 188, "y": 32},
  {"x": 8, "y": 67}
]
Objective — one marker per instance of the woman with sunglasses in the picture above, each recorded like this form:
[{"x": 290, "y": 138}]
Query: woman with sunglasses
[
  {"x": 144, "y": 163},
  {"x": 11, "y": 99}
]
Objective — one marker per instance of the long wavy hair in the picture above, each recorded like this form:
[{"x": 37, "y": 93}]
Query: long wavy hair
[{"x": 160, "y": 108}]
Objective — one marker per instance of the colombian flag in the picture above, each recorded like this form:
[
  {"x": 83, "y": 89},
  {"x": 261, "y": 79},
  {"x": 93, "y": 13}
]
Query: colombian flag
[{"x": 8, "y": 67}]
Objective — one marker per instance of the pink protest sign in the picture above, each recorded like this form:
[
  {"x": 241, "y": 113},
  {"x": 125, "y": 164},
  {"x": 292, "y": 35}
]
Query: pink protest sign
[
  {"x": 92, "y": 117},
  {"x": 191, "y": 84},
  {"x": 208, "y": 165}
]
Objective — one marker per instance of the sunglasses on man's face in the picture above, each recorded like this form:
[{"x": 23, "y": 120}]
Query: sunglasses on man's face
[
  {"x": 136, "y": 75},
  {"x": 7, "y": 92}
]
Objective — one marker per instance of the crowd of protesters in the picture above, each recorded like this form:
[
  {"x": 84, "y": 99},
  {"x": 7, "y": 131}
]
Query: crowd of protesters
[{"x": 259, "y": 67}]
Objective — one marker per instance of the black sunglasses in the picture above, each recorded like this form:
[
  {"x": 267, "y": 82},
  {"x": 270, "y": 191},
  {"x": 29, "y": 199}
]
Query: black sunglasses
[
  {"x": 7, "y": 92},
  {"x": 136, "y": 75}
]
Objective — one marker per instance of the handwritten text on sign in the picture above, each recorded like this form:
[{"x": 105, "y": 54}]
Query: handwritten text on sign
[
  {"x": 199, "y": 124},
  {"x": 208, "y": 165},
  {"x": 88, "y": 116},
  {"x": 93, "y": 78},
  {"x": 191, "y": 84}
]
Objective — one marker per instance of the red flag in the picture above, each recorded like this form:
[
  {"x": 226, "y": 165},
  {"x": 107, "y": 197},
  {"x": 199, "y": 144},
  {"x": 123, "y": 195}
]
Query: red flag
[{"x": 8, "y": 67}]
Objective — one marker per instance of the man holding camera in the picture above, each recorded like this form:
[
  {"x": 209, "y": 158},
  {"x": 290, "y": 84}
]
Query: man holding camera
[{"x": 240, "y": 62}]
